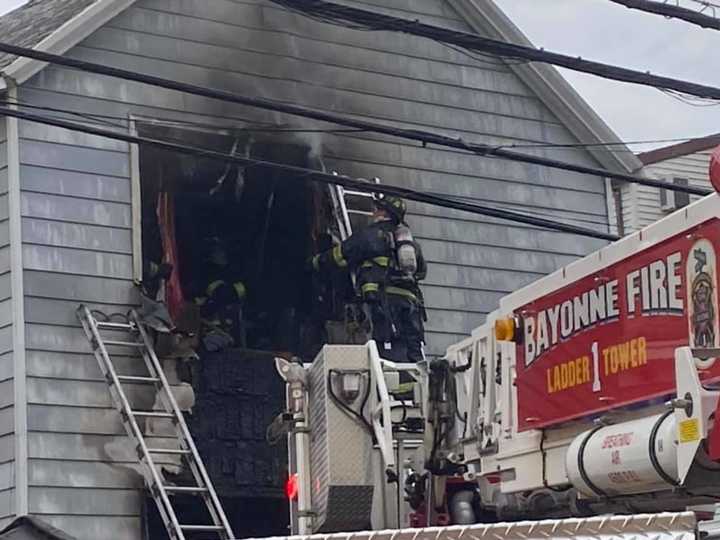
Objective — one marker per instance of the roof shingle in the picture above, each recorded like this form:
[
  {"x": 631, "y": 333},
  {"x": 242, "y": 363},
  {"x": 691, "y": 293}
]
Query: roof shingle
[
  {"x": 678, "y": 150},
  {"x": 28, "y": 25}
]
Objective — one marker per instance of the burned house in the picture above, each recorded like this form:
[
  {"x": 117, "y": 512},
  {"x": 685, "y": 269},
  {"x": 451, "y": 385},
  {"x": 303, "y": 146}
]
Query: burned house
[{"x": 79, "y": 216}]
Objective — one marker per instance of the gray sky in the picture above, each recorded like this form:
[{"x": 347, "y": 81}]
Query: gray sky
[
  {"x": 603, "y": 31},
  {"x": 7, "y": 5},
  {"x": 600, "y": 30}
]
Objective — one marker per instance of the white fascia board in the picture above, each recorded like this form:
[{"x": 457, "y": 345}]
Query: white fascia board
[
  {"x": 67, "y": 36},
  {"x": 485, "y": 17},
  {"x": 18, "y": 311},
  {"x": 672, "y": 225}
]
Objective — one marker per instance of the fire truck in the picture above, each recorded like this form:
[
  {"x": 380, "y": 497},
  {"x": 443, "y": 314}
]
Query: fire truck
[{"x": 584, "y": 406}]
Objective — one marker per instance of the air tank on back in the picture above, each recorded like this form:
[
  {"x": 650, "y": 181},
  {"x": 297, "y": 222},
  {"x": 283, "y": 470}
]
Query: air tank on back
[{"x": 407, "y": 258}]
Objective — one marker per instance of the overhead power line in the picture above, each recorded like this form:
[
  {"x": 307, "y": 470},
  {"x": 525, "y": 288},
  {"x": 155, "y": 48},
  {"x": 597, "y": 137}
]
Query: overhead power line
[
  {"x": 371, "y": 20},
  {"x": 706, "y": 4},
  {"x": 672, "y": 11},
  {"x": 309, "y": 174},
  {"x": 122, "y": 122},
  {"x": 424, "y": 137}
]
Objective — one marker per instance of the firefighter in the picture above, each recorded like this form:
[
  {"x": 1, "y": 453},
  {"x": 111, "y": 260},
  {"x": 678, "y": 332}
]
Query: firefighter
[
  {"x": 154, "y": 275},
  {"x": 388, "y": 264},
  {"x": 220, "y": 301}
]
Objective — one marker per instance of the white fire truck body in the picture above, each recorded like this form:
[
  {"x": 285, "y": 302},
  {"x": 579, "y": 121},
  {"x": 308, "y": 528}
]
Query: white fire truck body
[
  {"x": 588, "y": 392},
  {"x": 607, "y": 433}
]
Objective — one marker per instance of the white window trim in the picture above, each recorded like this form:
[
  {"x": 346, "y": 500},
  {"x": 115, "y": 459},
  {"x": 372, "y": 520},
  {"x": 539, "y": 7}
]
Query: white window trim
[{"x": 136, "y": 204}]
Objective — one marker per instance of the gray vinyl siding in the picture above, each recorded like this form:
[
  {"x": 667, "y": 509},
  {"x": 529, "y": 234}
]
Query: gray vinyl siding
[
  {"x": 76, "y": 208},
  {"x": 7, "y": 379},
  {"x": 644, "y": 202}
]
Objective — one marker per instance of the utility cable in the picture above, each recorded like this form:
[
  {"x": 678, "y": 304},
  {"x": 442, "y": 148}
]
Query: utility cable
[
  {"x": 342, "y": 14},
  {"x": 706, "y": 4},
  {"x": 671, "y": 11},
  {"x": 104, "y": 119},
  {"x": 308, "y": 174},
  {"x": 424, "y": 137}
]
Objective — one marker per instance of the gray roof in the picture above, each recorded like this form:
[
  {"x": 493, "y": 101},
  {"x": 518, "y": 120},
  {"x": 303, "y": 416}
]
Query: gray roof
[
  {"x": 31, "y": 528},
  {"x": 28, "y": 25}
]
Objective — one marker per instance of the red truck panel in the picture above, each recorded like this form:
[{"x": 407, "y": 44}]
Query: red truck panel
[{"x": 608, "y": 340}]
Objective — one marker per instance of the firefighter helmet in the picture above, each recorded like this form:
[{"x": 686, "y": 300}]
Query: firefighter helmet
[{"x": 395, "y": 206}]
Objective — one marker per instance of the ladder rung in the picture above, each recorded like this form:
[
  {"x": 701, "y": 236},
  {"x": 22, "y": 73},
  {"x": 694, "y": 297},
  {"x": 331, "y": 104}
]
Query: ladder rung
[
  {"x": 185, "y": 489},
  {"x": 173, "y": 451},
  {"x": 134, "y": 379},
  {"x": 360, "y": 212},
  {"x": 153, "y": 414},
  {"x": 115, "y": 326},
  {"x": 123, "y": 343},
  {"x": 202, "y": 528}
]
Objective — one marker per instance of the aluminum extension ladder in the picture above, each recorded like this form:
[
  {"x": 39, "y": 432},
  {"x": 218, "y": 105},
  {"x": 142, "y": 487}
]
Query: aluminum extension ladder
[
  {"x": 139, "y": 340},
  {"x": 342, "y": 202}
]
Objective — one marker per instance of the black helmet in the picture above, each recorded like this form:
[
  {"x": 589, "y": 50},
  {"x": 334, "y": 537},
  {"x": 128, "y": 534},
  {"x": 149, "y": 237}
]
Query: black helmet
[{"x": 395, "y": 206}]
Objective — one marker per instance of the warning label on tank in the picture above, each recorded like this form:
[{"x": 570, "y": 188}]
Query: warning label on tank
[{"x": 689, "y": 430}]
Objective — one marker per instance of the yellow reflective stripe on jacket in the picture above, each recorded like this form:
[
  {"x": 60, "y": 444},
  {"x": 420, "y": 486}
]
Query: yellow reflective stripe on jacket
[
  {"x": 404, "y": 388},
  {"x": 240, "y": 289},
  {"x": 338, "y": 256},
  {"x": 214, "y": 286},
  {"x": 369, "y": 288},
  {"x": 401, "y": 292},
  {"x": 379, "y": 261}
]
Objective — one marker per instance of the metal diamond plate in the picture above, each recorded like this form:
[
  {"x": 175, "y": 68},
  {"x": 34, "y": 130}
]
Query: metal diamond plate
[
  {"x": 666, "y": 526},
  {"x": 340, "y": 448}
]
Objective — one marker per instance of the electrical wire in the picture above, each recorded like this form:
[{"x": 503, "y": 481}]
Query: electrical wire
[
  {"x": 179, "y": 140},
  {"x": 347, "y": 409},
  {"x": 671, "y": 12},
  {"x": 423, "y": 137},
  {"x": 103, "y": 119},
  {"x": 689, "y": 100},
  {"x": 343, "y": 15},
  {"x": 301, "y": 173},
  {"x": 705, "y": 4},
  {"x": 91, "y": 118},
  {"x": 483, "y": 56},
  {"x": 601, "y": 144}
]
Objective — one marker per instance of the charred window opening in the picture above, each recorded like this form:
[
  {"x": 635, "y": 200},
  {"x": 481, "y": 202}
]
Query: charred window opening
[{"x": 269, "y": 224}]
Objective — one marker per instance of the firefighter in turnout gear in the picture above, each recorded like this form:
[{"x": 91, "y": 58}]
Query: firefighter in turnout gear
[
  {"x": 388, "y": 264},
  {"x": 220, "y": 301}
]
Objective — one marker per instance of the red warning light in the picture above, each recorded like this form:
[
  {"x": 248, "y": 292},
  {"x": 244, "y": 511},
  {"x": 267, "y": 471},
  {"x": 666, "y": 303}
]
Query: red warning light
[
  {"x": 715, "y": 169},
  {"x": 291, "y": 487}
]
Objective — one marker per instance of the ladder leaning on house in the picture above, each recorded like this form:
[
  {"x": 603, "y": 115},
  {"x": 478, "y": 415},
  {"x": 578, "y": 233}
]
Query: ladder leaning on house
[{"x": 139, "y": 340}]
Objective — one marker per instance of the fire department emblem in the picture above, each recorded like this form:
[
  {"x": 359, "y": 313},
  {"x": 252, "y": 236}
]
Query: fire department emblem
[{"x": 702, "y": 292}]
